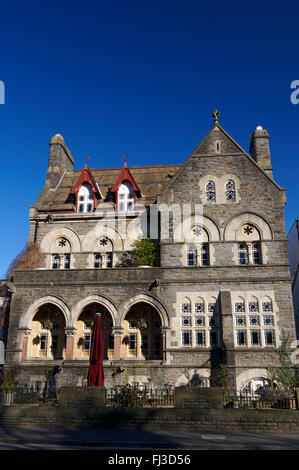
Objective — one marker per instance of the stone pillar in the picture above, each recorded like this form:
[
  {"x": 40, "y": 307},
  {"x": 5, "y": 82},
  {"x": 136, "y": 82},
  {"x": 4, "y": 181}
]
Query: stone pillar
[
  {"x": 164, "y": 343},
  {"x": 228, "y": 337},
  {"x": 117, "y": 333},
  {"x": 69, "y": 348},
  {"x": 26, "y": 334}
]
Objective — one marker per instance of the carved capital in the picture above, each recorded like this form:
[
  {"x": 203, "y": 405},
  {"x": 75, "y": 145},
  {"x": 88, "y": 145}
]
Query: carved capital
[
  {"x": 70, "y": 331},
  {"x": 117, "y": 330}
]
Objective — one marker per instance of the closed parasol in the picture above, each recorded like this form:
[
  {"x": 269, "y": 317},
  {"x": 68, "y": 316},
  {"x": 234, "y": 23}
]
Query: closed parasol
[{"x": 96, "y": 376}]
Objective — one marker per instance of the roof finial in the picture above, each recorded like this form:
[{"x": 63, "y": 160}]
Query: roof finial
[
  {"x": 87, "y": 158},
  {"x": 125, "y": 157},
  {"x": 216, "y": 115}
]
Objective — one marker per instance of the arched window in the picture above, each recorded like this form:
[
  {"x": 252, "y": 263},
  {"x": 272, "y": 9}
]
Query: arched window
[
  {"x": 103, "y": 256},
  {"x": 210, "y": 192},
  {"x": 61, "y": 257},
  {"x": 125, "y": 197},
  {"x": 85, "y": 198},
  {"x": 230, "y": 191}
]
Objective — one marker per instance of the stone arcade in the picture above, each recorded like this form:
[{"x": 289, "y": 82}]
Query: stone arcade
[{"x": 219, "y": 293}]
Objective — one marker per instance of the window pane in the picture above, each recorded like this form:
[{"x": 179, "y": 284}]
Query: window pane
[
  {"x": 205, "y": 255},
  {"x": 186, "y": 338},
  {"x": 200, "y": 338},
  {"x": 241, "y": 338},
  {"x": 269, "y": 338},
  {"x": 186, "y": 321},
  {"x": 255, "y": 338},
  {"x": 199, "y": 321}
]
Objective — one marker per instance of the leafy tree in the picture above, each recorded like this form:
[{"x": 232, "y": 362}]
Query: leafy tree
[
  {"x": 144, "y": 252},
  {"x": 284, "y": 373}
]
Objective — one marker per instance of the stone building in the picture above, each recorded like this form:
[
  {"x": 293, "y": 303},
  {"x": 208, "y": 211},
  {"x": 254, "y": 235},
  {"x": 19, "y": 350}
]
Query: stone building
[
  {"x": 293, "y": 248},
  {"x": 220, "y": 290}
]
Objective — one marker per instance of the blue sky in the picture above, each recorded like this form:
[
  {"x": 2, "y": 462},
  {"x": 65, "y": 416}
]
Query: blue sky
[{"x": 140, "y": 77}]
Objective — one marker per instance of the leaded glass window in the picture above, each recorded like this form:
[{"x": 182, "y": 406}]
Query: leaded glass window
[
  {"x": 200, "y": 338},
  {"x": 253, "y": 307},
  {"x": 239, "y": 307},
  {"x": 240, "y": 321},
  {"x": 191, "y": 255},
  {"x": 255, "y": 338},
  {"x": 267, "y": 306},
  {"x": 241, "y": 337},
  {"x": 254, "y": 321},
  {"x": 186, "y": 321},
  {"x": 256, "y": 253},
  {"x": 269, "y": 337},
  {"x": 230, "y": 194},
  {"x": 186, "y": 338},
  {"x": 242, "y": 253},
  {"x": 199, "y": 321},
  {"x": 186, "y": 308},
  {"x": 268, "y": 320},
  {"x": 210, "y": 192},
  {"x": 199, "y": 308},
  {"x": 204, "y": 255}
]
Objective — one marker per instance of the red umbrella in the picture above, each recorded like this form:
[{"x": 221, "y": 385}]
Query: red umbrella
[{"x": 96, "y": 372}]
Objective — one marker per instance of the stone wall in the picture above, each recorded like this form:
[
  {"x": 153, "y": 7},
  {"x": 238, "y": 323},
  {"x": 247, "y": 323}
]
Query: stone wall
[{"x": 226, "y": 420}]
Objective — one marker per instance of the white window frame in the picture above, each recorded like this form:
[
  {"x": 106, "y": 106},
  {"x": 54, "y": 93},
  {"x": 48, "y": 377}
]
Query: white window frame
[
  {"x": 85, "y": 203},
  {"x": 125, "y": 198}
]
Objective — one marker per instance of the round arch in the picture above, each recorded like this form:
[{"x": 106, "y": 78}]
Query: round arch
[
  {"x": 149, "y": 299},
  {"x": 58, "y": 232},
  {"x": 25, "y": 321},
  {"x": 102, "y": 229},
  {"x": 243, "y": 378},
  {"x": 94, "y": 298},
  {"x": 233, "y": 225}
]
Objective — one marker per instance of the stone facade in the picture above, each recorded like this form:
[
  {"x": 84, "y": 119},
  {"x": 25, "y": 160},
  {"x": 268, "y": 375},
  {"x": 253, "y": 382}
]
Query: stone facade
[{"x": 220, "y": 291}]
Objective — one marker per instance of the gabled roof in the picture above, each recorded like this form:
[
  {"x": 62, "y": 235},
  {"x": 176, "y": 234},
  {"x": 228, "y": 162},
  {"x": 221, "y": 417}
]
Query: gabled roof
[
  {"x": 125, "y": 175},
  {"x": 228, "y": 147},
  {"x": 86, "y": 177}
]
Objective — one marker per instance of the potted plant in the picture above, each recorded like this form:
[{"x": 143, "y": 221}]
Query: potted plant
[{"x": 8, "y": 386}]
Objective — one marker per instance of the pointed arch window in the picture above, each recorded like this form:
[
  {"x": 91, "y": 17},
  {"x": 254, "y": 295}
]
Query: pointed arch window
[
  {"x": 230, "y": 191},
  {"x": 85, "y": 199},
  {"x": 210, "y": 192},
  {"x": 125, "y": 197}
]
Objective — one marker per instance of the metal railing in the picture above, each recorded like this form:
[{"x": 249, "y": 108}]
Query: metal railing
[
  {"x": 140, "y": 397},
  {"x": 259, "y": 403}
]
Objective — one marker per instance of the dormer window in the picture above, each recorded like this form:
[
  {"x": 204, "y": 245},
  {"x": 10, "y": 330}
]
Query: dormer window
[
  {"x": 125, "y": 197},
  {"x": 85, "y": 198}
]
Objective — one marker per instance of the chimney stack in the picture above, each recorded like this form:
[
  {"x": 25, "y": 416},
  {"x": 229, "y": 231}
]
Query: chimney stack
[
  {"x": 260, "y": 150},
  {"x": 60, "y": 160}
]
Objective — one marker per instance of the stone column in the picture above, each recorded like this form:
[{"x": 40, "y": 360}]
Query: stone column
[
  {"x": 228, "y": 337},
  {"x": 164, "y": 342},
  {"x": 117, "y": 333},
  {"x": 69, "y": 348},
  {"x": 26, "y": 333}
]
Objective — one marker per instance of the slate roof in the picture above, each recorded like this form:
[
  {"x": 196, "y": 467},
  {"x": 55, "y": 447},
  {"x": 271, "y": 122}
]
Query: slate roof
[{"x": 151, "y": 180}]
